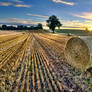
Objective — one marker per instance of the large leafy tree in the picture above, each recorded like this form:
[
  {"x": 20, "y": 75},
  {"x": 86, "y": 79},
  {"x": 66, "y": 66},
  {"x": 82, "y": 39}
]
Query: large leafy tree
[{"x": 53, "y": 22}]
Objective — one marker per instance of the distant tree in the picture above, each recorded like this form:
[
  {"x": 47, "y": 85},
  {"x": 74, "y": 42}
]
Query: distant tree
[
  {"x": 11, "y": 28},
  {"x": 53, "y": 22},
  {"x": 31, "y": 27},
  {"x": 40, "y": 26},
  {"x": 25, "y": 28},
  {"x": 4, "y": 27},
  {"x": 0, "y": 28},
  {"x": 20, "y": 27}
]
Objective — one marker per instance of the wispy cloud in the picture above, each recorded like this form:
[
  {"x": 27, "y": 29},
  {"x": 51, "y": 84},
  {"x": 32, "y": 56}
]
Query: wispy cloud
[
  {"x": 22, "y": 5},
  {"x": 37, "y": 15},
  {"x": 5, "y": 4},
  {"x": 14, "y": 5},
  {"x": 72, "y": 23},
  {"x": 17, "y": 21},
  {"x": 85, "y": 15},
  {"x": 76, "y": 23},
  {"x": 18, "y": 1},
  {"x": 64, "y": 2}
]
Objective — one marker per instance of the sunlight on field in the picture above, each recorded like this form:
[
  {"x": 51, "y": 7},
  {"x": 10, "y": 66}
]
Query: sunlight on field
[{"x": 89, "y": 29}]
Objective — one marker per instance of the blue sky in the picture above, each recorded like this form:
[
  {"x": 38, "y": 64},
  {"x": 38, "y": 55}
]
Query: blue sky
[{"x": 72, "y": 13}]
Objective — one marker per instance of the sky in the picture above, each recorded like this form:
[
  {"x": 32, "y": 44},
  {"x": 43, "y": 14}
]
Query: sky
[{"x": 71, "y": 13}]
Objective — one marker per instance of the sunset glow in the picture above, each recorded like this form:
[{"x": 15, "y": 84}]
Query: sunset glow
[{"x": 90, "y": 29}]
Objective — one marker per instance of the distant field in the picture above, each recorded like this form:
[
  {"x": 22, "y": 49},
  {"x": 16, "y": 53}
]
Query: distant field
[{"x": 76, "y": 32}]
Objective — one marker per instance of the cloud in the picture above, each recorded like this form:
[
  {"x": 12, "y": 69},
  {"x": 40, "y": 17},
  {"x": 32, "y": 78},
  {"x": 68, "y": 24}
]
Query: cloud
[
  {"x": 76, "y": 23},
  {"x": 64, "y": 2},
  {"x": 5, "y": 4},
  {"x": 14, "y": 5},
  {"x": 85, "y": 15},
  {"x": 37, "y": 15},
  {"x": 88, "y": 23},
  {"x": 18, "y": 1},
  {"x": 22, "y": 5},
  {"x": 20, "y": 21},
  {"x": 16, "y": 21},
  {"x": 72, "y": 23}
]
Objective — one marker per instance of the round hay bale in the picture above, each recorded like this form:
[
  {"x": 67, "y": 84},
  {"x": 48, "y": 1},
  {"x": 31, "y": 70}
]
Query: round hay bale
[
  {"x": 71, "y": 48},
  {"x": 77, "y": 53}
]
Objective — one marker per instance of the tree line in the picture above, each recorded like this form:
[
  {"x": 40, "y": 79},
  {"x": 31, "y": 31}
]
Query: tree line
[{"x": 21, "y": 27}]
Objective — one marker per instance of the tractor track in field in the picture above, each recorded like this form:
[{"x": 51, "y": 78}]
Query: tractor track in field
[
  {"x": 9, "y": 53},
  {"x": 9, "y": 39},
  {"x": 10, "y": 43},
  {"x": 56, "y": 66},
  {"x": 41, "y": 71},
  {"x": 11, "y": 65}
]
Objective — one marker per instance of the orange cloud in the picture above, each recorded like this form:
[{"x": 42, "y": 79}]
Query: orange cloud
[
  {"x": 37, "y": 15},
  {"x": 85, "y": 15},
  {"x": 14, "y": 5},
  {"x": 18, "y": 1},
  {"x": 22, "y": 5},
  {"x": 64, "y": 2},
  {"x": 5, "y": 3},
  {"x": 23, "y": 21}
]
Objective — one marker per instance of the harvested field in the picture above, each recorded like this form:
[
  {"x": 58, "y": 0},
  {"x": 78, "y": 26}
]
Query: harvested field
[{"x": 36, "y": 62}]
